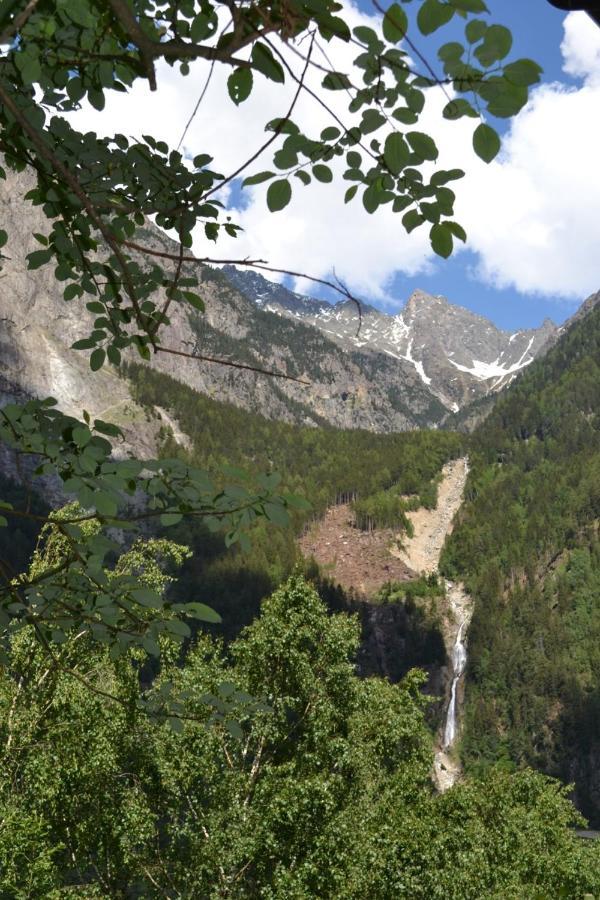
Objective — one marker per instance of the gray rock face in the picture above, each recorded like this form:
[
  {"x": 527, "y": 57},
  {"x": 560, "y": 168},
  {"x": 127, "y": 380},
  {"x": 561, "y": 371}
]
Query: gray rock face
[
  {"x": 458, "y": 356},
  {"x": 346, "y": 389},
  {"x": 411, "y": 370}
]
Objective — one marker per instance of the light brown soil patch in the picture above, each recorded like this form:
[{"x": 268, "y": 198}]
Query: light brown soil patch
[
  {"x": 357, "y": 560},
  {"x": 422, "y": 552}
]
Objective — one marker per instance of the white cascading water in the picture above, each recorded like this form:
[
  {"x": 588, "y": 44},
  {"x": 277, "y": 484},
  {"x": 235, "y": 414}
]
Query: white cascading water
[{"x": 459, "y": 662}]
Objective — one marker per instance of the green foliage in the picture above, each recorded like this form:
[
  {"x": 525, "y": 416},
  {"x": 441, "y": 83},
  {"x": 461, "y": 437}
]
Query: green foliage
[
  {"x": 71, "y": 591},
  {"x": 527, "y": 544},
  {"x": 324, "y": 794}
]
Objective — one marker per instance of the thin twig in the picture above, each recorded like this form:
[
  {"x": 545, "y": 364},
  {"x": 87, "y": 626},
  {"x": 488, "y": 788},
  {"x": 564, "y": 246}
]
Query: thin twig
[
  {"x": 170, "y": 293},
  {"x": 276, "y": 131},
  {"x": 197, "y": 106},
  {"x": 248, "y": 263},
  {"x": 415, "y": 50},
  {"x": 226, "y": 362}
]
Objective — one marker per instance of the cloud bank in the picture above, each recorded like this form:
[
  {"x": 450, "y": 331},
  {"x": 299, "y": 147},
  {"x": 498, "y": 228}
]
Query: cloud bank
[{"x": 530, "y": 216}]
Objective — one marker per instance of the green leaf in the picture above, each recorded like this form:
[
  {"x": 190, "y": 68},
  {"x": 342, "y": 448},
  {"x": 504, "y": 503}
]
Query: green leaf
[
  {"x": 422, "y": 144},
  {"x": 475, "y": 30},
  {"x": 107, "y": 428},
  {"x": 81, "y": 435},
  {"x": 105, "y": 504},
  {"x": 150, "y": 646},
  {"x": 170, "y": 519},
  {"x": 395, "y": 24},
  {"x": 503, "y": 98},
  {"x": 366, "y": 35},
  {"x": 279, "y": 194},
  {"x": 96, "y": 98},
  {"x": 239, "y": 85},
  {"x": 396, "y": 152},
  {"x": 371, "y": 121},
  {"x": 277, "y": 514},
  {"x": 322, "y": 173},
  {"x": 457, "y": 230},
  {"x": 523, "y": 72},
  {"x": 3, "y": 237},
  {"x": 114, "y": 355},
  {"x": 486, "y": 142},
  {"x": 441, "y": 240},
  {"x": 336, "y": 81},
  {"x": 446, "y": 175},
  {"x": 401, "y": 203},
  {"x": 459, "y": 107},
  {"x": 176, "y": 626},
  {"x": 452, "y": 51},
  {"x": 471, "y": 6},
  {"x": 71, "y": 291},
  {"x": 234, "y": 729},
  {"x": 258, "y": 178},
  {"x": 38, "y": 258},
  {"x": 303, "y": 176},
  {"x": 350, "y": 193},
  {"x": 75, "y": 89},
  {"x": 97, "y": 359},
  {"x": 405, "y": 115},
  {"x": 330, "y": 134},
  {"x": 202, "y": 612},
  {"x": 264, "y": 61},
  {"x": 370, "y": 199},
  {"x": 145, "y": 596},
  {"x": 496, "y": 44},
  {"x": 196, "y": 301},
  {"x": 412, "y": 219},
  {"x": 432, "y": 15}
]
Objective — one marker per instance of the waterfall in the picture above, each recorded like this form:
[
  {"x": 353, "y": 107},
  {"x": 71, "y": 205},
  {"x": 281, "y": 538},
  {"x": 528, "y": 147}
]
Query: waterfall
[{"x": 459, "y": 662}]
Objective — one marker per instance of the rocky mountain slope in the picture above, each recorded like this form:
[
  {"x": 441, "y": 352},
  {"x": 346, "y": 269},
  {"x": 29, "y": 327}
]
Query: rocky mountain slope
[
  {"x": 459, "y": 356},
  {"x": 398, "y": 373},
  {"x": 37, "y": 328}
]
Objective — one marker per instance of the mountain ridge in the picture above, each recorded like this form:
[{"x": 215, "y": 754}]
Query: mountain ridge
[{"x": 458, "y": 355}]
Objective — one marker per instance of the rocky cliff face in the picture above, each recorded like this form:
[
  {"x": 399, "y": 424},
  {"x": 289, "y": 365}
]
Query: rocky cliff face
[
  {"x": 458, "y": 356},
  {"x": 37, "y": 328}
]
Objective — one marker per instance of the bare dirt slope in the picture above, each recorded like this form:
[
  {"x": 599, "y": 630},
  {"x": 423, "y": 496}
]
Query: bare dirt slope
[
  {"x": 357, "y": 560},
  {"x": 421, "y": 553}
]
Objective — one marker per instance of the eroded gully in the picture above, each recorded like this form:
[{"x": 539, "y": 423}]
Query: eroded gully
[{"x": 422, "y": 554}]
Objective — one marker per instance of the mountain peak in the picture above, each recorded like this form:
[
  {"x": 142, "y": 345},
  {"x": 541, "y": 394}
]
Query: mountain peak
[{"x": 457, "y": 355}]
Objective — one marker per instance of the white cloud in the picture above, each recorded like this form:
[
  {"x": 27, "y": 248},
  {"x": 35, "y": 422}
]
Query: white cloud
[
  {"x": 531, "y": 215},
  {"x": 581, "y": 47}
]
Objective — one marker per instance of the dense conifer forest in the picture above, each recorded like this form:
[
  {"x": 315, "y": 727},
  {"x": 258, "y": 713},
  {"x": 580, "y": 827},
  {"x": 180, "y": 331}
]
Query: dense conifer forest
[{"x": 527, "y": 545}]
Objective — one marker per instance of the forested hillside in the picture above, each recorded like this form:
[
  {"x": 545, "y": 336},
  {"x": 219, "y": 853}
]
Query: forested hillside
[
  {"x": 324, "y": 465},
  {"x": 528, "y": 546}
]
